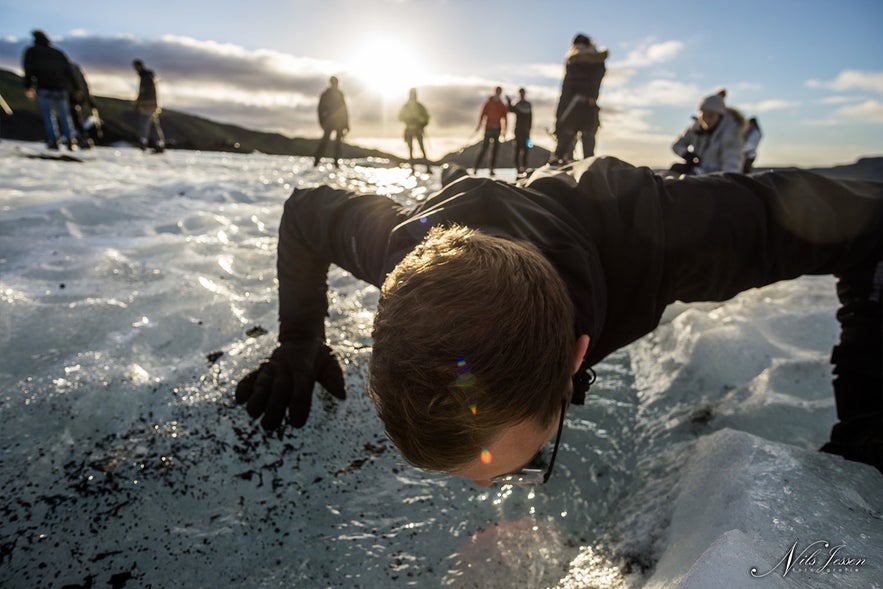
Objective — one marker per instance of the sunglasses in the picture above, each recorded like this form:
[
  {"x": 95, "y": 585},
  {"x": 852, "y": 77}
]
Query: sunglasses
[{"x": 538, "y": 471}]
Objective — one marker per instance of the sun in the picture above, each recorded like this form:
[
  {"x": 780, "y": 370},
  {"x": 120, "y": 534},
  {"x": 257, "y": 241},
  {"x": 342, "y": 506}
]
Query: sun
[{"x": 387, "y": 67}]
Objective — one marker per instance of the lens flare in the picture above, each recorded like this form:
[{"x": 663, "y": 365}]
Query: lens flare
[{"x": 465, "y": 378}]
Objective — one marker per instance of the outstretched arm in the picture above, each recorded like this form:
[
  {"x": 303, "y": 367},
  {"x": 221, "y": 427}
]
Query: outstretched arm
[{"x": 319, "y": 226}]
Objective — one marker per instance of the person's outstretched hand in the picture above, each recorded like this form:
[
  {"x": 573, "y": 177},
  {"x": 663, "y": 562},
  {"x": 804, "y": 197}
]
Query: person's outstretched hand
[{"x": 285, "y": 381}]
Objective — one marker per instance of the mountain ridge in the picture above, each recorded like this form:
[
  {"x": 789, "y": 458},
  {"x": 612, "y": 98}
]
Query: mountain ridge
[{"x": 182, "y": 130}]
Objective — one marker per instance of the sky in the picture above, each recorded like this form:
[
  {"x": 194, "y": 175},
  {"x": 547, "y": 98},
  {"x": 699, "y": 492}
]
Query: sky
[{"x": 811, "y": 71}]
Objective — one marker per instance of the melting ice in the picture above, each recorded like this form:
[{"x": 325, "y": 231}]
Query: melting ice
[{"x": 137, "y": 289}]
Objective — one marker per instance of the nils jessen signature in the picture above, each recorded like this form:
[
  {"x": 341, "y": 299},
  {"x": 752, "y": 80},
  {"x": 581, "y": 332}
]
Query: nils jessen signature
[{"x": 818, "y": 557}]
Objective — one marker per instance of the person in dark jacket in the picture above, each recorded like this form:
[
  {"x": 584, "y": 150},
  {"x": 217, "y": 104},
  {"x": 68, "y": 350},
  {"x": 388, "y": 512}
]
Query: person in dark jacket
[
  {"x": 578, "y": 113},
  {"x": 333, "y": 118},
  {"x": 48, "y": 78},
  {"x": 523, "y": 122},
  {"x": 497, "y": 299},
  {"x": 83, "y": 110},
  {"x": 753, "y": 135},
  {"x": 147, "y": 107}
]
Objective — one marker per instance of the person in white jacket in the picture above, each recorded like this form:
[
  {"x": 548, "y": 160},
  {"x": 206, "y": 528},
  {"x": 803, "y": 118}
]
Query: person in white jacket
[{"x": 713, "y": 143}]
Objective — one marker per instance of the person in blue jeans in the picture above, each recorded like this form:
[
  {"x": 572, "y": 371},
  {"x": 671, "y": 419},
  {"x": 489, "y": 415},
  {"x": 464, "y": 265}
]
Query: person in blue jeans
[{"x": 49, "y": 78}]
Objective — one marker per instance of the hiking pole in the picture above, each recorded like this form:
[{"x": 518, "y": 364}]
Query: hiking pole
[{"x": 5, "y": 106}]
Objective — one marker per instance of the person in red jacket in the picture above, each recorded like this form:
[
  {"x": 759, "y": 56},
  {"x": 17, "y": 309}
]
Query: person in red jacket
[{"x": 493, "y": 117}]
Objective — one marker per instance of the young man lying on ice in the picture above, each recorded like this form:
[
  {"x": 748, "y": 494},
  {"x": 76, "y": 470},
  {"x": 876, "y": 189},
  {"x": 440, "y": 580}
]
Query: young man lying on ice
[{"x": 496, "y": 299}]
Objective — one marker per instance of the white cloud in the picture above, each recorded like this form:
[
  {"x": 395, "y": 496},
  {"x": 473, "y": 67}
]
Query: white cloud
[
  {"x": 839, "y": 100},
  {"x": 770, "y": 105},
  {"x": 649, "y": 53},
  {"x": 851, "y": 80},
  {"x": 869, "y": 111},
  {"x": 551, "y": 71},
  {"x": 655, "y": 93}
]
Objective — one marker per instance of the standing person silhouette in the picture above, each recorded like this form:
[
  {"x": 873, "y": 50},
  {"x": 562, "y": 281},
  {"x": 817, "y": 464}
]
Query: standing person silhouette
[
  {"x": 416, "y": 117},
  {"x": 49, "y": 79},
  {"x": 147, "y": 107},
  {"x": 83, "y": 111},
  {"x": 333, "y": 117},
  {"x": 752, "y": 138},
  {"x": 578, "y": 113},
  {"x": 493, "y": 117},
  {"x": 523, "y": 122}
]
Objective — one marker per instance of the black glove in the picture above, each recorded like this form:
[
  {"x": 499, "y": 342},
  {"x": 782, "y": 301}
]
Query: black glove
[
  {"x": 285, "y": 380},
  {"x": 692, "y": 158}
]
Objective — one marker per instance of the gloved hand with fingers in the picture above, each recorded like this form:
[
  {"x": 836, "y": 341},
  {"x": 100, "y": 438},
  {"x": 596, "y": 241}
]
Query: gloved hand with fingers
[{"x": 285, "y": 381}]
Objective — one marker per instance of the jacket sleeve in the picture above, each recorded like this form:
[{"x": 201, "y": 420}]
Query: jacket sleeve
[
  {"x": 483, "y": 113},
  {"x": 322, "y": 109},
  {"x": 680, "y": 146},
  {"x": 28, "y": 67},
  {"x": 726, "y": 233},
  {"x": 321, "y": 226},
  {"x": 752, "y": 140}
]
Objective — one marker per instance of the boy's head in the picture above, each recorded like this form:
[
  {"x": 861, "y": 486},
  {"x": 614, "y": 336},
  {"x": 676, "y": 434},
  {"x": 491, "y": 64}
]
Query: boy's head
[{"x": 473, "y": 334}]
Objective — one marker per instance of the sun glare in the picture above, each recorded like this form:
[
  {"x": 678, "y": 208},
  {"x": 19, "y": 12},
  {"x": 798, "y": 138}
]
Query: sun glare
[{"x": 387, "y": 67}]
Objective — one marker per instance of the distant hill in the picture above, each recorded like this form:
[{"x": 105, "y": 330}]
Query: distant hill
[
  {"x": 536, "y": 157},
  {"x": 182, "y": 130},
  {"x": 865, "y": 168}
]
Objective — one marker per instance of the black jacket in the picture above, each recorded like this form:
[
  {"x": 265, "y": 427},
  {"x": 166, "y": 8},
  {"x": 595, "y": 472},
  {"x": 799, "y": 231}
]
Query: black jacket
[
  {"x": 584, "y": 70},
  {"x": 626, "y": 242},
  {"x": 47, "y": 68},
  {"x": 147, "y": 98},
  {"x": 332, "y": 110},
  {"x": 523, "y": 117}
]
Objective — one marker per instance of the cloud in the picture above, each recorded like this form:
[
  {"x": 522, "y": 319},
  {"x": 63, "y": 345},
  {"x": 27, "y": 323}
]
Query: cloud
[
  {"x": 649, "y": 53},
  {"x": 868, "y": 111},
  {"x": 182, "y": 60},
  {"x": 839, "y": 100},
  {"x": 653, "y": 94},
  {"x": 851, "y": 80},
  {"x": 274, "y": 91},
  {"x": 270, "y": 90},
  {"x": 549, "y": 71},
  {"x": 770, "y": 105}
]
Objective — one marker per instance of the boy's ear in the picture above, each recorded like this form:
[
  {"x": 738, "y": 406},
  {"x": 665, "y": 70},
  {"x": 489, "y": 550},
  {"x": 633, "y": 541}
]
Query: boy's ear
[{"x": 582, "y": 345}]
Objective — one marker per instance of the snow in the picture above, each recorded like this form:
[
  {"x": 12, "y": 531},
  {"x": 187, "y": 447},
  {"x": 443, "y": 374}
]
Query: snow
[{"x": 136, "y": 289}]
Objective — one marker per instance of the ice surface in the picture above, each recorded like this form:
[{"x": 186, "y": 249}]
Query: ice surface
[
  {"x": 136, "y": 289},
  {"x": 746, "y": 501}
]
